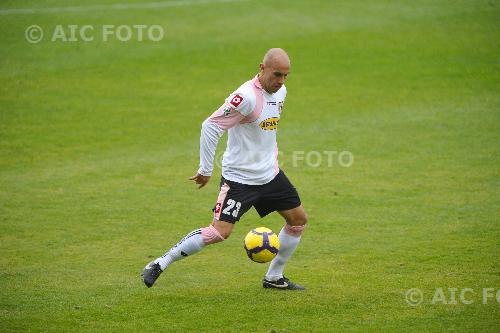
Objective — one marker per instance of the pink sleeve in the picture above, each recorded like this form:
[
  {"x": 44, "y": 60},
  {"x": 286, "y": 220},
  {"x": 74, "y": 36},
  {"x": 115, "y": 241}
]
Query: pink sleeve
[{"x": 226, "y": 117}]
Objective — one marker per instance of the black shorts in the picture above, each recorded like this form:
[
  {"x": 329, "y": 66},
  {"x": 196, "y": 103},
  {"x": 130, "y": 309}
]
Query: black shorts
[{"x": 235, "y": 199}]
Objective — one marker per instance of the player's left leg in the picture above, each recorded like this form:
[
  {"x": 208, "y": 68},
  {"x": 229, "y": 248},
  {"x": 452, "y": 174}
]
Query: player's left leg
[{"x": 289, "y": 237}]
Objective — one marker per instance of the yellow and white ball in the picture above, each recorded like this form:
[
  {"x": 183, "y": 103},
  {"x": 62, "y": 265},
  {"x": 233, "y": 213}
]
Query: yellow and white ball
[{"x": 261, "y": 244}]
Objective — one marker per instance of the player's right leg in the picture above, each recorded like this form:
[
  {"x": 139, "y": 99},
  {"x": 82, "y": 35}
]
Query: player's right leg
[
  {"x": 189, "y": 245},
  {"x": 233, "y": 201}
]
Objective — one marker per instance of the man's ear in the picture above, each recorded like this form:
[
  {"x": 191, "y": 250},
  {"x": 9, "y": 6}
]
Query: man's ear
[{"x": 261, "y": 66}]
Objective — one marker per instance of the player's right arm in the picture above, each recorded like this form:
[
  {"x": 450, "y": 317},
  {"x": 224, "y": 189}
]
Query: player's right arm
[
  {"x": 209, "y": 138},
  {"x": 236, "y": 107}
]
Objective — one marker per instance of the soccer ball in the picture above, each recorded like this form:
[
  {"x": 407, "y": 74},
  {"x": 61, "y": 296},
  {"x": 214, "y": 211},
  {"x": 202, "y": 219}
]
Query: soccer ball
[{"x": 261, "y": 244}]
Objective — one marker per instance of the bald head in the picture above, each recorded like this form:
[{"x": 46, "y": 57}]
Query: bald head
[
  {"x": 276, "y": 56},
  {"x": 274, "y": 69}
]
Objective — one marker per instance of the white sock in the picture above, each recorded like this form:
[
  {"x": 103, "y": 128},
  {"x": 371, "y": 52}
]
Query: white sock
[
  {"x": 288, "y": 244},
  {"x": 192, "y": 243}
]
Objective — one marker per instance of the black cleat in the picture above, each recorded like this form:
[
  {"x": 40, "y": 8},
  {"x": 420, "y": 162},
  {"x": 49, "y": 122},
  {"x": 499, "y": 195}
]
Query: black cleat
[
  {"x": 282, "y": 283},
  {"x": 151, "y": 272}
]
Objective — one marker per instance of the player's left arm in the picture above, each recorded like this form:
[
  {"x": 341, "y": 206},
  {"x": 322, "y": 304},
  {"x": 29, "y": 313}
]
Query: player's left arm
[{"x": 282, "y": 103}]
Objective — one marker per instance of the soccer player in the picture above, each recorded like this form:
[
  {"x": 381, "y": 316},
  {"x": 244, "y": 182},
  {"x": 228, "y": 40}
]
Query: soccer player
[{"x": 250, "y": 172}]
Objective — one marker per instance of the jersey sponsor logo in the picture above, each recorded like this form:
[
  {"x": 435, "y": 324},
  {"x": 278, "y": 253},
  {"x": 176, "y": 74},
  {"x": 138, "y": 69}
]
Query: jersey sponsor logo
[
  {"x": 269, "y": 124},
  {"x": 237, "y": 99},
  {"x": 280, "y": 106}
]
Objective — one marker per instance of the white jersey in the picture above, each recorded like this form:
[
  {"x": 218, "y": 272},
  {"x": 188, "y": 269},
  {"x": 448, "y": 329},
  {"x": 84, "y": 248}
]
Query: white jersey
[{"x": 251, "y": 116}]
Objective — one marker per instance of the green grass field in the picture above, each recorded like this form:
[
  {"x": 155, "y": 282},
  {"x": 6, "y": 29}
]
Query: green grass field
[{"x": 98, "y": 139}]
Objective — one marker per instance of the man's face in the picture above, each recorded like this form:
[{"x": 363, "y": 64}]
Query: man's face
[{"x": 273, "y": 76}]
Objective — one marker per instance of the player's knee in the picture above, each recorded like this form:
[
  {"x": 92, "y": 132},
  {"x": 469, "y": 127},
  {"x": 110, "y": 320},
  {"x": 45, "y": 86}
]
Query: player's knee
[
  {"x": 211, "y": 235},
  {"x": 223, "y": 228},
  {"x": 298, "y": 220},
  {"x": 302, "y": 220},
  {"x": 225, "y": 233},
  {"x": 296, "y": 225}
]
